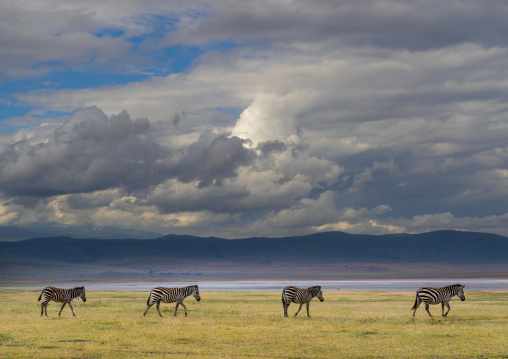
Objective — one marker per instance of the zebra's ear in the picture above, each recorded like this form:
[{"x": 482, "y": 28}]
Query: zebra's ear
[
  {"x": 463, "y": 286},
  {"x": 82, "y": 287}
]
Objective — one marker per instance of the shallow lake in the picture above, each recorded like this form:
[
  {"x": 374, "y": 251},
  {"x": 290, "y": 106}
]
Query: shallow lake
[{"x": 396, "y": 285}]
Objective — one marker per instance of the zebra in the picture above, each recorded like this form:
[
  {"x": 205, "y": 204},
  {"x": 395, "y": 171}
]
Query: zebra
[
  {"x": 171, "y": 295},
  {"x": 438, "y": 295},
  {"x": 298, "y": 295},
  {"x": 61, "y": 295}
]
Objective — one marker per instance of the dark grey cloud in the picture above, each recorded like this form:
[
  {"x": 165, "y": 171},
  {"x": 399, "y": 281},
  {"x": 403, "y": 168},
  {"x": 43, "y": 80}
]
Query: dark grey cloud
[
  {"x": 270, "y": 146},
  {"x": 177, "y": 119},
  {"x": 414, "y": 25},
  {"x": 212, "y": 159},
  {"x": 223, "y": 199},
  {"x": 91, "y": 152},
  {"x": 87, "y": 153},
  {"x": 91, "y": 201}
]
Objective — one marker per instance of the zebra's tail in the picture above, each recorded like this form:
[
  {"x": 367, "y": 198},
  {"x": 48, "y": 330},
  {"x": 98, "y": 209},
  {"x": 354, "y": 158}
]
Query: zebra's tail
[
  {"x": 40, "y": 296},
  {"x": 416, "y": 302},
  {"x": 148, "y": 300}
]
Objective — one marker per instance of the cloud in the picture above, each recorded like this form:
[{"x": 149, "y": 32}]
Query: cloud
[
  {"x": 211, "y": 160},
  {"x": 368, "y": 116},
  {"x": 269, "y": 118},
  {"x": 47, "y": 35},
  {"x": 367, "y": 175},
  {"x": 307, "y": 213},
  {"x": 91, "y": 152},
  {"x": 88, "y": 152}
]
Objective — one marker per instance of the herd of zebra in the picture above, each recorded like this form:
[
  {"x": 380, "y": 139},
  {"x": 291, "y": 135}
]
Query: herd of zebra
[{"x": 290, "y": 295}]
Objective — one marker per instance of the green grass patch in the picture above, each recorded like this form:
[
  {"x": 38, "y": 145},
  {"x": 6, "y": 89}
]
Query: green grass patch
[{"x": 251, "y": 325}]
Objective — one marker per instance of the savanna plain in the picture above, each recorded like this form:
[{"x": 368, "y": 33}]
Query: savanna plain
[{"x": 251, "y": 325}]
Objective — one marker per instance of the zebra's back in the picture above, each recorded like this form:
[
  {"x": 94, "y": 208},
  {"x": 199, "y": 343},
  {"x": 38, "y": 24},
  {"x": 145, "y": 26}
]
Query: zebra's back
[
  {"x": 55, "y": 294},
  {"x": 294, "y": 294},
  {"x": 166, "y": 295},
  {"x": 429, "y": 295}
]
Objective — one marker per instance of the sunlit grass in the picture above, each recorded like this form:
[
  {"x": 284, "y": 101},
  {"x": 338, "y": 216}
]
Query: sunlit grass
[{"x": 251, "y": 325}]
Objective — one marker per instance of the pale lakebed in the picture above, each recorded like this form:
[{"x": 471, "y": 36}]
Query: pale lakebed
[{"x": 384, "y": 285}]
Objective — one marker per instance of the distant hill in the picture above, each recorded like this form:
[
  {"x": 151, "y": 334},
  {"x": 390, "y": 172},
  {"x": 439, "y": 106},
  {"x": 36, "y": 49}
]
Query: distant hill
[
  {"x": 439, "y": 246},
  {"x": 11, "y": 233},
  {"x": 326, "y": 255}
]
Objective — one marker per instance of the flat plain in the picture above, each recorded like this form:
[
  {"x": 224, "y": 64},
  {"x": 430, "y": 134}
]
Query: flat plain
[{"x": 251, "y": 325}]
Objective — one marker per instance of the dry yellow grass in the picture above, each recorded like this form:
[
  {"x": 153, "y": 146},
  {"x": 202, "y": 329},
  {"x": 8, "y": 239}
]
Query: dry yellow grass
[{"x": 251, "y": 325}]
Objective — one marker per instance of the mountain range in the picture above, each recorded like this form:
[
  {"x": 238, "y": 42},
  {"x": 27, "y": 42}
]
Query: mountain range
[{"x": 175, "y": 255}]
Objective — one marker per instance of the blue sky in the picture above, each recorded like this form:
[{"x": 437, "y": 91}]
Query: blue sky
[{"x": 243, "y": 119}]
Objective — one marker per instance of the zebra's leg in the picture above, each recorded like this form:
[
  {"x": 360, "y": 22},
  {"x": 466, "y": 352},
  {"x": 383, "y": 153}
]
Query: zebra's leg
[
  {"x": 63, "y": 305},
  {"x": 308, "y": 303},
  {"x": 158, "y": 307},
  {"x": 148, "y": 307},
  {"x": 299, "y": 309},
  {"x": 427, "y": 308},
  {"x": 72, "y": 309},
  {"x": 448, "y": 305},
  {"x": 46, "y": 308},
  {"x": 42, "y": 309},
  {"x": 285, "y": 309},
  {"x": 184, "y": 307}
]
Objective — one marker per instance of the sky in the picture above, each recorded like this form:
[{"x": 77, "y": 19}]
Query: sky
[{"x": 255, "y": 118}]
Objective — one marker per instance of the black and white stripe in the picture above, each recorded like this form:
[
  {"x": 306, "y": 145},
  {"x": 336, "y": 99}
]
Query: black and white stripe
[
  {"x": 298, "y": 295},
  {"x": 438, "y": 295},
  {"x": 61, "y": 295},
  {"x": 171, "y": 295}
]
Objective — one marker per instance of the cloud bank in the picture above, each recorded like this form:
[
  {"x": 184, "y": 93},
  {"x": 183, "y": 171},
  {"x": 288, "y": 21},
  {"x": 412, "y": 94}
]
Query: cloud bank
[{"x": 289, "y": 117}]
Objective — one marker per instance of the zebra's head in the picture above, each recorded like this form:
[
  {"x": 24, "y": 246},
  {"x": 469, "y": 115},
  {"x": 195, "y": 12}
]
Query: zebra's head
[
  {"x": 81, "y": 293},
  {"x": 316, "y": 292},
  {"x": 460, "y": 292},
  {"x": 195, "y": 292}
]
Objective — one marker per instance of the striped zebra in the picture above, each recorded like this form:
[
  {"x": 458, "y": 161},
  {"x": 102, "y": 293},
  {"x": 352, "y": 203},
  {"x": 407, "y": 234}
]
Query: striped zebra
[
  {"x": 61, "y": 295},
  {"x": 438, "y": 295},
  {"x": 171, "y": 295},
  {"x": 298, "y": 295}
]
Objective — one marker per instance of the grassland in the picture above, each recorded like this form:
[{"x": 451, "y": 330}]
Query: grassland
[{"x": 251, "y": 325}]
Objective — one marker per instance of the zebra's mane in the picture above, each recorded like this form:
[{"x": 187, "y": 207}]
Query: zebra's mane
[
  {"x": 314, "y": 289},
  {"x": 192, "y": 286},
  {"x": 454, "y": 287}
]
